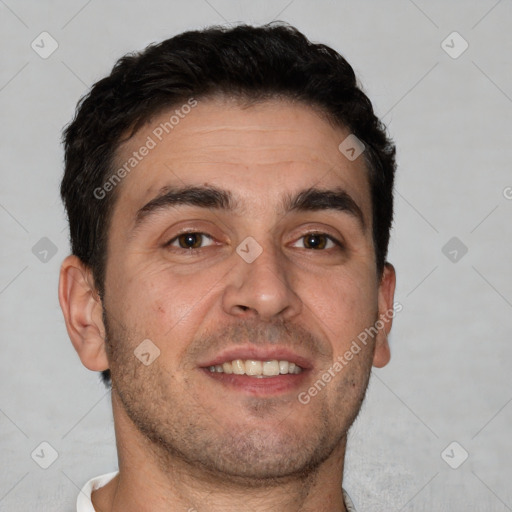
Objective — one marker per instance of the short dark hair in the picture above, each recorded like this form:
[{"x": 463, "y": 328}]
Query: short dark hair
[{"x": 243, "y": 62}]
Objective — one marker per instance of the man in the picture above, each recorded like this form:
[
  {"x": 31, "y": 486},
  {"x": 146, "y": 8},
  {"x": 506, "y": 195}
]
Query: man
[{"x": 229, "y": 194}]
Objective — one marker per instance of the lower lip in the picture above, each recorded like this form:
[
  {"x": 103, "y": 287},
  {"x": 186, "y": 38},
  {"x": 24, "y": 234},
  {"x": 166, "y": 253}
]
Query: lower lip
[{"x": 263, "y": 386}]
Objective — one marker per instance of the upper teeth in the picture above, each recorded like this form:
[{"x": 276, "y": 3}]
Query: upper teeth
[{"x": 257, "y": 368}]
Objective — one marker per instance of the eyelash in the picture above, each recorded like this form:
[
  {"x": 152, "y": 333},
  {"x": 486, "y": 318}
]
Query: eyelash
[
  {"x": 336, "y": 242},
  {"x": 185, "y": 233}
]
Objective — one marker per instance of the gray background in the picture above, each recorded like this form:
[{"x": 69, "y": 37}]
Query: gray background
[{"x": 449, "y": 378}]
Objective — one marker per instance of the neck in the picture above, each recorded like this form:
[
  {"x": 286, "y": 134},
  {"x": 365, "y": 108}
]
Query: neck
[{"x": 149, "y": 480}]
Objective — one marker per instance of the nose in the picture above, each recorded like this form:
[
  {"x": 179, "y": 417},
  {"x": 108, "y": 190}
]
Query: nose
[{"x": 263, "y": 287}]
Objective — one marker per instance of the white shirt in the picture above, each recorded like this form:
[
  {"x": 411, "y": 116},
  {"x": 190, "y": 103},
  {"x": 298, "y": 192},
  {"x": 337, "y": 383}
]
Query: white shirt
[{"x": 84, "y": 503}]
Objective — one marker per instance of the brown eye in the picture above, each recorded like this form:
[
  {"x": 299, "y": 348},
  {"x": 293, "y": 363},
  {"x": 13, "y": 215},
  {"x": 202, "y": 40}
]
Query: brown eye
[
  {"x": 191, "y": 240},
  {"x": 315, "y": 241},
  {"x": 318, "y": 241}
]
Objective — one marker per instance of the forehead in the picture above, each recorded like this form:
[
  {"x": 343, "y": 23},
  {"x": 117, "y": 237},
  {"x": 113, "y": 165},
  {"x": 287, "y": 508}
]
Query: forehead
[{"x": 257, "y": 152}]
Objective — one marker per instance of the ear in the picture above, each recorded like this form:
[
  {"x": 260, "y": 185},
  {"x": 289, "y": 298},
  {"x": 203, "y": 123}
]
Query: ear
[
  {"x": 387, "y": 284},
  {"x": 82, "y": 311}
]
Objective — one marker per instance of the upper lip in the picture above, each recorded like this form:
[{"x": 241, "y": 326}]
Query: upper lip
[{"x": 258, "y": 353}]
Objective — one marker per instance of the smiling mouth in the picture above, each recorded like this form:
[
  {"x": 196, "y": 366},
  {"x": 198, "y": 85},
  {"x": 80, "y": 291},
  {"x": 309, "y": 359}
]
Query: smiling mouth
[{"x": 257, "y": 368}]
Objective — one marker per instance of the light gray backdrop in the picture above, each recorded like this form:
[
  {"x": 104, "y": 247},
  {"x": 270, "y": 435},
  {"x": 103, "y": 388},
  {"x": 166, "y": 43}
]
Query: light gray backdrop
[{"x": 448, "y": 107}]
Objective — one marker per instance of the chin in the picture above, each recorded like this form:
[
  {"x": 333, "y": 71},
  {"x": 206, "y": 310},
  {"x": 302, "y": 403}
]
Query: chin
[{"x": 257, "y": 457}]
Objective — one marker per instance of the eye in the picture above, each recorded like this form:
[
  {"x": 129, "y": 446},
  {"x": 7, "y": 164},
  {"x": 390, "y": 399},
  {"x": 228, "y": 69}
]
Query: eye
[
  {"x": 318, "y": 241},
  {"x": 189, "y": 240}
]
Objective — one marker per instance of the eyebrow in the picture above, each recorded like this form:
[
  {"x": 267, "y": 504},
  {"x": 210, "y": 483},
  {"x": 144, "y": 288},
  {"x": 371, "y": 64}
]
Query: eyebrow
[
  {"x": 315, "y": 199},
  {"x": 211, "y": 197},
  {"x": 201, "y": 196}
]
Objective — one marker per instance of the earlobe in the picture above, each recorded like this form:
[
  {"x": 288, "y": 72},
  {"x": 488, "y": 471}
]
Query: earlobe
[
  {"x": 382, "y": 353},
  {"x": 82, "y": 311}
]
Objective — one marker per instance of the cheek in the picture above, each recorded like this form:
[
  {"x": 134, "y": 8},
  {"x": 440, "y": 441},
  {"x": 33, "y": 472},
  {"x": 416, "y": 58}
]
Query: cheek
[
  {"x": 173, "y": 298},
  {"x": 169, "y": 308},
  {"x": 345, "y": 306}
]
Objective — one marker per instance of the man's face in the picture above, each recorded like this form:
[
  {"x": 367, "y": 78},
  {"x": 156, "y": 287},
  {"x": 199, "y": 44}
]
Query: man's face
[{"x": 300, "y": 289}]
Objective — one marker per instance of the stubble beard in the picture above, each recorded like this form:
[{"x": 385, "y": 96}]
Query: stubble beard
[{"x": 182, "y": 434}]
